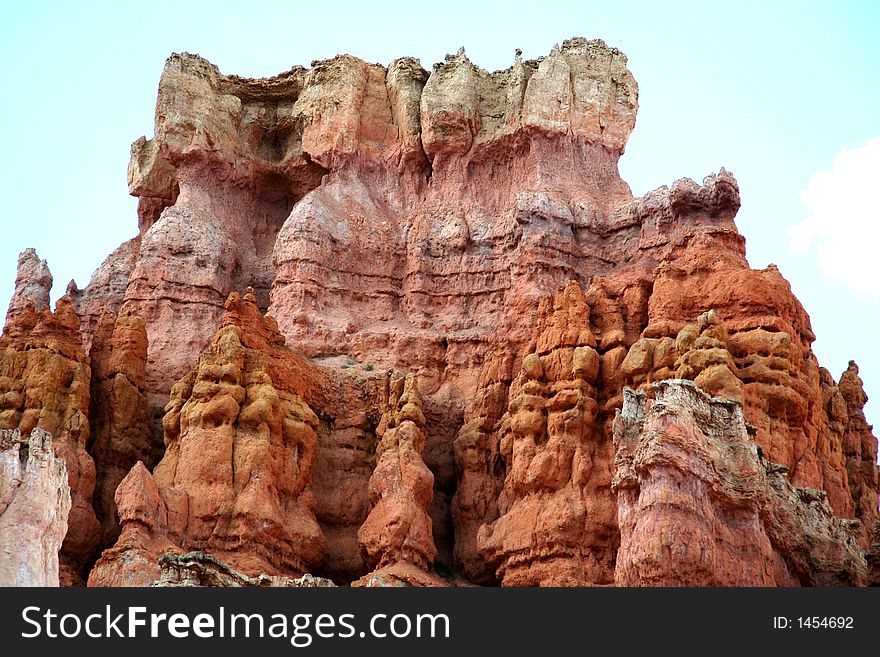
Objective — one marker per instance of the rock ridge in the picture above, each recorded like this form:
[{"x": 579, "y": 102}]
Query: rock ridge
[{"x": 450, "y": 297}]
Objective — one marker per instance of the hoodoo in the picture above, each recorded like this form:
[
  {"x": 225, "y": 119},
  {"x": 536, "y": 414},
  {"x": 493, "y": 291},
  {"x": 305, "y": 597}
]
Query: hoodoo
[{"x": 391, "y": 326}]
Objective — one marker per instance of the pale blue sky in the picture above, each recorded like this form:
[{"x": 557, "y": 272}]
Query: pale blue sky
[{"x": 771, "y": 91}]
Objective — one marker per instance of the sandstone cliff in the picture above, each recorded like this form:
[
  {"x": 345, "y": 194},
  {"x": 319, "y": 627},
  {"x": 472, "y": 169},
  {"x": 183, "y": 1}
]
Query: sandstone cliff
[{"x": 449, "y": 288}]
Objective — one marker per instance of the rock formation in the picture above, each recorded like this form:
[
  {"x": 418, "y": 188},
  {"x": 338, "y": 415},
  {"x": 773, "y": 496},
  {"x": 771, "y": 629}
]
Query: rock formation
[
  {"x": 34, "y": 503},
  {"x": 33, "y": 281},
  {"x": 698, "y": 505},
  {"x": 872, "y": 556},
  {"x": 860, "y": 449},
  {"x": 467, "y": 228},
  {"x": 44, "y": 384},
  {"x": 234, "y": 480},
  {"x": 314, "y": 188},
  {"x": 553, "y": 526},
  {"x": 397, "y": 534},
  {"x": 197, "y": 569},
  {"x": 118, "y": 411}
]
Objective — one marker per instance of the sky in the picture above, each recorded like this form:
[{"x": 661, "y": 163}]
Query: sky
[{"x": 784, "y": 95}]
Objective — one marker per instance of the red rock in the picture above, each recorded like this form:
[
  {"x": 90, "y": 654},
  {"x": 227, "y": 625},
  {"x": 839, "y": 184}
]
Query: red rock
[
  {"x": 554, "y": 526},
  {"x": 234, "y": 480},
  {"x": 860, "y": 449},
  {"x": 33, "y": 281},
  {"x": 347, "y": 276},
  {"x": 144, "y": 522},
  {"x": 465, "y": 227},
  {"x": 106, "y": 289}
]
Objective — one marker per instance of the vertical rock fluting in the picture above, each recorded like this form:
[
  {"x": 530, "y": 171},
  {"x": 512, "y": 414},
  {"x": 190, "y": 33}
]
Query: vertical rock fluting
[
  {"x": 467, "y": 227},
  {"x": 118, "y": 411},
  {"x": 554, "y": 508},
  {"x": 860, "y": 449},
  {"x": 34, "y": 505},
  {"x": 396, "y": 538},
  {"x": 44, "y": 384},
  {"x": 235, "y": 477},
  {"x": 698, "y": 505},
  {"x": 480, "y": 464}
]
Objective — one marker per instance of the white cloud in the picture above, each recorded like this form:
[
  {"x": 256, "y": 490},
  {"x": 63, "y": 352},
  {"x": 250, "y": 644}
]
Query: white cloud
[{"x": 844, "y": 219}]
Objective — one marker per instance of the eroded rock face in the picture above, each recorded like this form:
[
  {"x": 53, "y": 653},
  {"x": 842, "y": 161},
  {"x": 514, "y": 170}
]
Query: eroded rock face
[
  {"x": 398, "y": 527},
  {"x": 552, "y": 527},
  {"x": 768, "y": 337},
  {"x": 33, "y": 281},
  {"x": 860, "y": 449},
  {"x": 106, "y": 289},
  {"x": 34, "y": 505},
  {"x": 118, "y": 412},
  {"x": 44, "y": 384},
  {"x": 873, "y": 558},
  {"x": 368, "y": 234},
  {"x": 698, "y": 506},
  {"x": 235, "y": 477},
  {"x": 787, "y": 397},
  {"x": 466, "y": 227}
]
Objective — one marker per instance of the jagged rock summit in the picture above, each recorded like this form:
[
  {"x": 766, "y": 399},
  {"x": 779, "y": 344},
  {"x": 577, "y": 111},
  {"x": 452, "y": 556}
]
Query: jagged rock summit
[{"x": 377, "y": 324}]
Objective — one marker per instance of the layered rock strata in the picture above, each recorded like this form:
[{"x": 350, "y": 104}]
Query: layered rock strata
[
  {"x": 466, "y": 227},
  {"x": 354, "y": 199}
]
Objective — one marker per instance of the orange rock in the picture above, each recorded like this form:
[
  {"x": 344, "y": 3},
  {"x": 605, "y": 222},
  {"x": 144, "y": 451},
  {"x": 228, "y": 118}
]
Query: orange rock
[
  {"x": 860, "y": 449},
  {"x": 554, "y": 526},
  {"x": 33, "y": 281},
  {"x": 118, "y": 413},
  {"x": 44, "y": 384},
  {"x": 144, "y": 522},
  {"x": 235, "y": 477},
  {"x": 398, "y": 528}
]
